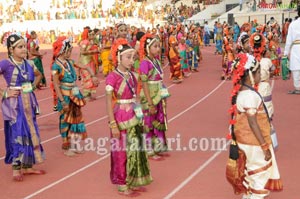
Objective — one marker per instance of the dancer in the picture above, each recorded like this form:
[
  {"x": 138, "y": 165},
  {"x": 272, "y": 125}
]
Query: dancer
[
  {"x": 129, "y": 163},
  {"x": 87, "y": 52},
  {"x": 36, "y": 57},
  {"x": 174, "y": 59},
  {"x": 70, "y": 100},
  {"x": 19, "y": 110},
  {"x": 153, "y": 97},
  {"x": 251, "y": 129}
]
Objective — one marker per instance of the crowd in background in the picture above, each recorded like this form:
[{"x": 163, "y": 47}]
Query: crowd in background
[{"x": 82, "y": 10}]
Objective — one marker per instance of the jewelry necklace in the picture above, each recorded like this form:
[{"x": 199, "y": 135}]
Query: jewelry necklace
[{"x": 124, "y": 73}]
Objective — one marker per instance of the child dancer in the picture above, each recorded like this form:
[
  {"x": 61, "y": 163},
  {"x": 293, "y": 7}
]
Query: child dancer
[
  {"x": 174, "y": 59},
  {"x": 183, "y": 57},
  {"x": 19, "y": 110},
  {"x": 153, "y": 96},
  {"x": 87, "y": 52},
  {"x": 251, "y": 130},
  {"x": 129, "y": 163},
  {"x": 70, "y": 100},
  {"x": 264, "y": 87}
]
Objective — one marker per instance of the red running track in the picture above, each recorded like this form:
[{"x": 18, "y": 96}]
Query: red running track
[{"x": 197, "y": 110}]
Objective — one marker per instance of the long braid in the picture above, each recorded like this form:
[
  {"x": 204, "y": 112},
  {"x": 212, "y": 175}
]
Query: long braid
[
  {"x": 239, "y": 77},
  {"x": 243, "y": 66},
  {"x": 233, "y": 110}
]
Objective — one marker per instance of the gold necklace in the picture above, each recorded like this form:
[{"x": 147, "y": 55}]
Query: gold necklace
[
  {"x": 124, "y": 73},
  {"x": 19, "y": 63}
]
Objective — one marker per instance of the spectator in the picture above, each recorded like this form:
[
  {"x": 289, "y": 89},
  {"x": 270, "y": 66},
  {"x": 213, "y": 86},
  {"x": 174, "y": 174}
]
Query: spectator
[{"x": 241, "y": 5}]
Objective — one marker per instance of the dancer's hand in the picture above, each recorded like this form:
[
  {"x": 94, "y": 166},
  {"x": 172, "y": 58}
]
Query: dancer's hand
[
  {"x": 65, "y": 107},
  {"x": 152, "y": 109},
  {"x": 115, "y": 133},
  {"x": 95, "y": 80},
  {"x": 268, "y": 155},
  {"x": 13, "y": 93}
]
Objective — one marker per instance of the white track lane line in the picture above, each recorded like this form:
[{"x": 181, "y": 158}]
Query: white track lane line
[
  {"x": 48, "y": 114},
  {"x": 106, "y": 156},
  {"x": 196, "y": 103},
  {"x": 202, "y": 167},
  {"x": 67, "y": 177},
  {"x": 58, "y": 136},
  {"x": 47, "y": 98},
  {"x": 55, "y": 137}
]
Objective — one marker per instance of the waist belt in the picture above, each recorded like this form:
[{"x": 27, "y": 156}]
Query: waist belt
[
  {"x": 155, "y": 82},
  {"x": 126, "y": 101},
  {"x": 66, "y": 92},
  {"x": 15, "y": 87},
  {"x": 67, "y": 84}
]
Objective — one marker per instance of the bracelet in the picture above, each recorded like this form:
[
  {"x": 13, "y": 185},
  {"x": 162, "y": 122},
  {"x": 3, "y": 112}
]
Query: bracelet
[
  {"x": 264, "y": 146},
  {"x": 33, "y": 87},
  {"x": 113, "y": 125},
  {"x": 112, "y": 122},
  {"x": 4, "y": 94}
]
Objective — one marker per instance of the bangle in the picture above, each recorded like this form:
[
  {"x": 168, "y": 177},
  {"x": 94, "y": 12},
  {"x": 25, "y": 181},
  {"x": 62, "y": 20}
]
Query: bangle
[
  {"x": 112, "y": 122},
  {"x": 113, "y": 125},
  {"x": 4, "y": 94},
  {"x": 33, "y": 87},
  {"x": 264, "y": 146}
]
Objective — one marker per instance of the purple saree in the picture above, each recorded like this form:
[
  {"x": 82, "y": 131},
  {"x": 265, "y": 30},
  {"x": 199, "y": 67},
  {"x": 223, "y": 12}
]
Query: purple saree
[{"x": 22, "y": 138}]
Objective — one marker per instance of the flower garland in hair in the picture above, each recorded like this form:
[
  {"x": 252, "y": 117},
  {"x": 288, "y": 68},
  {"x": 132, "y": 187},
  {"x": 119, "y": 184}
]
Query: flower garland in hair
[
  {"x": 85, "y": 34},
  {"x": 57, "y": 45},
  {"x": 245, "y": 27},
  {"x": 257, "y": 43},
  {"x": 143, "y": 42},
  {"x": 117, "y": 46},
  {"x": 238, "y": 69}
]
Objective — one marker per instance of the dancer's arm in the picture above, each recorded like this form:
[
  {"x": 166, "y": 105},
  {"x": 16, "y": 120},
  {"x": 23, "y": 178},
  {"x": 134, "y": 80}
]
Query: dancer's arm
[
  {"x": 112, "y": 122},
  {"x": 58, "y": 92},
  {"x": 252, "y": 120},
  {"x": 152, "y": 109}
]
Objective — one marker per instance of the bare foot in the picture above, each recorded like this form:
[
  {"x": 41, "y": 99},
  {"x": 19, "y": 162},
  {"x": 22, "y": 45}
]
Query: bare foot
[
  {"x": 32, "y": 171},
  {"x": 17, "y": 176},
  {"x": 156, "y": 158},
  {"x": 139, "y": 189},
  {"x": 129, "y": 193},
  {"x": 69, "y": 153}
]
